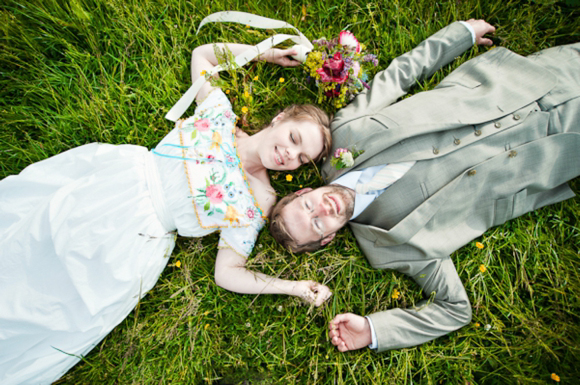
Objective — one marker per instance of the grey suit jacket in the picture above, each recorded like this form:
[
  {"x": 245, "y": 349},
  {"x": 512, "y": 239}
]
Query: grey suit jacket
[{"x": 484, "y": 148}]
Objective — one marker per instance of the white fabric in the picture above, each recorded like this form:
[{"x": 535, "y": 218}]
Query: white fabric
[
  {"x": 303, "y": 46},
  {"x": 374, "y": 343},
  {"x": 470, "y": 29},
  {"x": 83, "y": 236}
]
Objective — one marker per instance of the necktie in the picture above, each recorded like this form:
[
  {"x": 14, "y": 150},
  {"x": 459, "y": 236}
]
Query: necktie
[{"x": 385, "y": 177}]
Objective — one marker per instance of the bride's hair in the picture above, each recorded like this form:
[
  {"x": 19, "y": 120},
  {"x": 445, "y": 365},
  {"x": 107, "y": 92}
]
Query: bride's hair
[{"x": 309, "y": 112}]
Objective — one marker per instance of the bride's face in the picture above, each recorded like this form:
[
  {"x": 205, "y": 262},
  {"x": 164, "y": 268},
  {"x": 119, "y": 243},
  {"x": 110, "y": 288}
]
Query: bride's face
[{"x": 289, "y": 144}]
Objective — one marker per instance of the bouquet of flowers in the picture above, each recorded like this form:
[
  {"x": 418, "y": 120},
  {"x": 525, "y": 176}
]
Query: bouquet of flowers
[{"x": 338, "y": 67}]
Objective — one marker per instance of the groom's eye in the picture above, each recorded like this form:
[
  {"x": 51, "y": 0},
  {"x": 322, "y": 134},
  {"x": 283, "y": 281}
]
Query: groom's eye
[{"x": 292, "y": 138}]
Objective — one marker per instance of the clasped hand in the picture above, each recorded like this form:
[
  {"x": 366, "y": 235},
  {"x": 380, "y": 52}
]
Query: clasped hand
[{"x": 312, "y": 292}]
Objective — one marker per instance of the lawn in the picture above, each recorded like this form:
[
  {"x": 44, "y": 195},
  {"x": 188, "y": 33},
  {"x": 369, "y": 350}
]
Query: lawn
[{"x": 81, "y": 71}]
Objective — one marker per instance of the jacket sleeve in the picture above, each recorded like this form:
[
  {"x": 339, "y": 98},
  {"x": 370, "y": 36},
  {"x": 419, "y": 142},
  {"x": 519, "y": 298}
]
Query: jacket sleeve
[
  {"x": 445, "y": 309},
  {"x": 404, "y": 71}
]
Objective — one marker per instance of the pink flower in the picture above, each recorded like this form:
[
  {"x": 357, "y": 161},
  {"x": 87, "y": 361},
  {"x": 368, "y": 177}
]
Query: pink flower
[
  {"x": 332, "y": 70},
  {"x": 355, "y": 68},
  {"x": 347, "y": 39},
  {"x": 202, "y": 124},
  {"x": 250, "y": 213},
  {"x": 339, "y": 151},
  {"x": 215, "y": 193},
  {"x": 228, "y": 114}
]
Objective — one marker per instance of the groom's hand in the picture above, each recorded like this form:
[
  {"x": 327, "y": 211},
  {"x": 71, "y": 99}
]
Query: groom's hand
[
  {"x": 481, "y": 27},
  {"x": 349, "y": 332}
]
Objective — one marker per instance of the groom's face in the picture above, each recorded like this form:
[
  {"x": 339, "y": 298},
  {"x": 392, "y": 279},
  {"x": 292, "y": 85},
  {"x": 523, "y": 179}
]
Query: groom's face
[{"x": 316, "y": 215}]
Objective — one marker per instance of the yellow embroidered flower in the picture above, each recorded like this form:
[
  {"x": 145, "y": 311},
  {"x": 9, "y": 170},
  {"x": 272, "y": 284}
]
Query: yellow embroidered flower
[
  {"x": 216, "y": 140},
  {"x": 227, "y": 92},
  {"x": 281, "y": 80},
  {"x": 244, "y": 110},
  {"x": 178, "y": 264},
  {"x": 395, "y": 294},
  {"x": 203, "y": 72},
  {"x": 555, "y": 377},
  {"x": 232, "y": 215},
  {"x": 289, "y": 177},
  {"x": 479, "y": 245},
  {"x": 482, "y": 268}
]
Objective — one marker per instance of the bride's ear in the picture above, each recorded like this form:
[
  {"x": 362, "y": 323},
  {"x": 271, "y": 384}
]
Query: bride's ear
[{"x": 277, "y": 118}]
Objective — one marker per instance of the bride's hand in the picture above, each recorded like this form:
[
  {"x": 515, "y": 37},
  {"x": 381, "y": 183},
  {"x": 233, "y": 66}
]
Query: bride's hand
[
  {"x": 280, "y": 57},
  {"x": 312, "y": 292}
]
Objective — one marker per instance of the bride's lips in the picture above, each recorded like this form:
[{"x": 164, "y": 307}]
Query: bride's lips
[{"x": 277, "y": 157}]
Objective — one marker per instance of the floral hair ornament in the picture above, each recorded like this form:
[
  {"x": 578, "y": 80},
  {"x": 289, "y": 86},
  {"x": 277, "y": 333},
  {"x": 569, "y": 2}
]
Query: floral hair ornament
[
  {"x": 303, "y": 46},
  {"x": 344, "y": 158},
  {"x": 339, "y": 68}
]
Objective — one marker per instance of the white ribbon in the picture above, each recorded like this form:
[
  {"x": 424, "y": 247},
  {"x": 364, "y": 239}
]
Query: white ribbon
[{"x": 303, "y": 46}]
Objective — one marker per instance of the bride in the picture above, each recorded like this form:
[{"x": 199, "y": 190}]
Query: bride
[{"x": 85, "y": 234}]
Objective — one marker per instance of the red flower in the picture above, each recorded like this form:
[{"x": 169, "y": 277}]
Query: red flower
[
  {"x": 202, "y": 124},
  {"x": 210, "y": 157},
  {"x": 332, "y": 70},
  {"x": 215, "y": 193}
]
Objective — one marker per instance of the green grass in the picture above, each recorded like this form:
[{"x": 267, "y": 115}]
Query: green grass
[{"x": 81, "y": 71}]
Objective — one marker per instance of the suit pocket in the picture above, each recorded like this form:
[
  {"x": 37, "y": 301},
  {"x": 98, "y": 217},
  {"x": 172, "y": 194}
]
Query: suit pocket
[{"x": 510, "y": 207}]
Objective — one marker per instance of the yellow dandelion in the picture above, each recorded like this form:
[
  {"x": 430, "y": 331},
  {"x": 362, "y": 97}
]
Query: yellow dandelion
[
  {"x": 281, "y": 80},
  {"x": 206, "y": 312},
  {"x": 289, "y": 178},
  {"x": 246, "y": 94},
  {"x": 228, "y": 92},
  {"x": 555, "y": 377},
  {"x": 479, "y": 245},
  {"x": 244, "y": 110},
  {"x": 203, "y": 72},
  {"x": 256, "y": 78},
  {"x": 300, "y": 186},
  {"x": 206, "y": 326},
  {"x": 178, "y": 264},
  {"x": 477, "y": 324},
  {"x": 247, "y": 26},
  {"x": 395, "y": 294},
  {"x": 482, "y": 268}
]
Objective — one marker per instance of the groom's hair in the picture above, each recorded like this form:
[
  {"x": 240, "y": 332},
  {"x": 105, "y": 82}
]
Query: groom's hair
[{"x": 281, "y": 234}]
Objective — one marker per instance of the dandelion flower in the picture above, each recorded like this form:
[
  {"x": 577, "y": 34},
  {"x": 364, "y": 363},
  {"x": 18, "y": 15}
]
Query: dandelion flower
[
  {"x": 395, "y": 294},
  {"x": 228, "y": 92},
  {"x": 281, "y": 80},
  {"x": 246, "y": 94},
  {"x": 479, "y": 245},
  {"x": 300, "y": 186},
  {"x": 482, "y": 268},
  {"x": 203, "y": 72},
  {"x": 244, "y": 110},
  {"x": 178, "y": 264},
  {"x": 555, "y": 377},
  {"x": 206, "y": 326},
  {"x": 256, "y": 78},
  {"x": 477, "y": 324},
  {"x": 289, "y": 178}
]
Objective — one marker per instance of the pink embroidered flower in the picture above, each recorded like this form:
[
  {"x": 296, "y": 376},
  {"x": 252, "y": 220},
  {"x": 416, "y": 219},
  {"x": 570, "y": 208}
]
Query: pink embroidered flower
[
  {"x": 250, "y": 213},
  {"x": 215, "y": 193},
  {"x": 332, "y": 70},
  {"x": 210, "y": 157},
  {"x": 347, "y": 39},
  {"x": 202, "y": 124},
  {"x": 228, "y": 114}
]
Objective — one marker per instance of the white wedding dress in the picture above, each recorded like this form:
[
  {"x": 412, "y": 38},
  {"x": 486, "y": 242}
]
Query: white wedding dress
[{"x": 83, "y": 236}]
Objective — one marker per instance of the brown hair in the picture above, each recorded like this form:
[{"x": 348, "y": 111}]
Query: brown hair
[
  {"x": 281, "y": 234},
  {"x": 311, "y": 113}
]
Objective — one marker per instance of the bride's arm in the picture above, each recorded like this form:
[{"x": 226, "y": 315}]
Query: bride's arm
[
  {"x": 203, "y": 58},
  {"x": 231, "y": 274}
]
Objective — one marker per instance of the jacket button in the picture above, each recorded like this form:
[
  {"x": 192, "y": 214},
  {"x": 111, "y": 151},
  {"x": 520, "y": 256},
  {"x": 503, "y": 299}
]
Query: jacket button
[
  {"x": 477, "y": 132},
  {"x": 435, "y": 151},
  {"x": 513, "y": 154},
  {"x": 517, "y": 117},
  {"x": 456, "y": 142},
  {"x": 497, "y": 124},
  {"x": 471, "y": 172}
]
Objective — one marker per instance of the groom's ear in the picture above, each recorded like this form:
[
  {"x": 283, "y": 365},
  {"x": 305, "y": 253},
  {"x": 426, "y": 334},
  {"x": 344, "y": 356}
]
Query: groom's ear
[
  {"x": 303, "y": 191},
  {"x": 327, "y": 239}
]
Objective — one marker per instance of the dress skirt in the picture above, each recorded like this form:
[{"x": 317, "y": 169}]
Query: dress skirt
[{"x": 82, "y": 239}]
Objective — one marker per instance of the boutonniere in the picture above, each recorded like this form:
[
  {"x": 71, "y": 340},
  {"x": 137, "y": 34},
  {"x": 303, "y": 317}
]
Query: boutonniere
[{"x": 344, "y": 158}]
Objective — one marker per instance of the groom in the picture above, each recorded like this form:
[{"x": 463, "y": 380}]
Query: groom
[{"x": 497, "y": 138}]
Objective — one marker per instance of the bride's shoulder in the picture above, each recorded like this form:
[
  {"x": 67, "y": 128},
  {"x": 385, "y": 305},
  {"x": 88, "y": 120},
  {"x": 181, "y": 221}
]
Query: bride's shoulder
[{"x": 263, "y": 191}]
